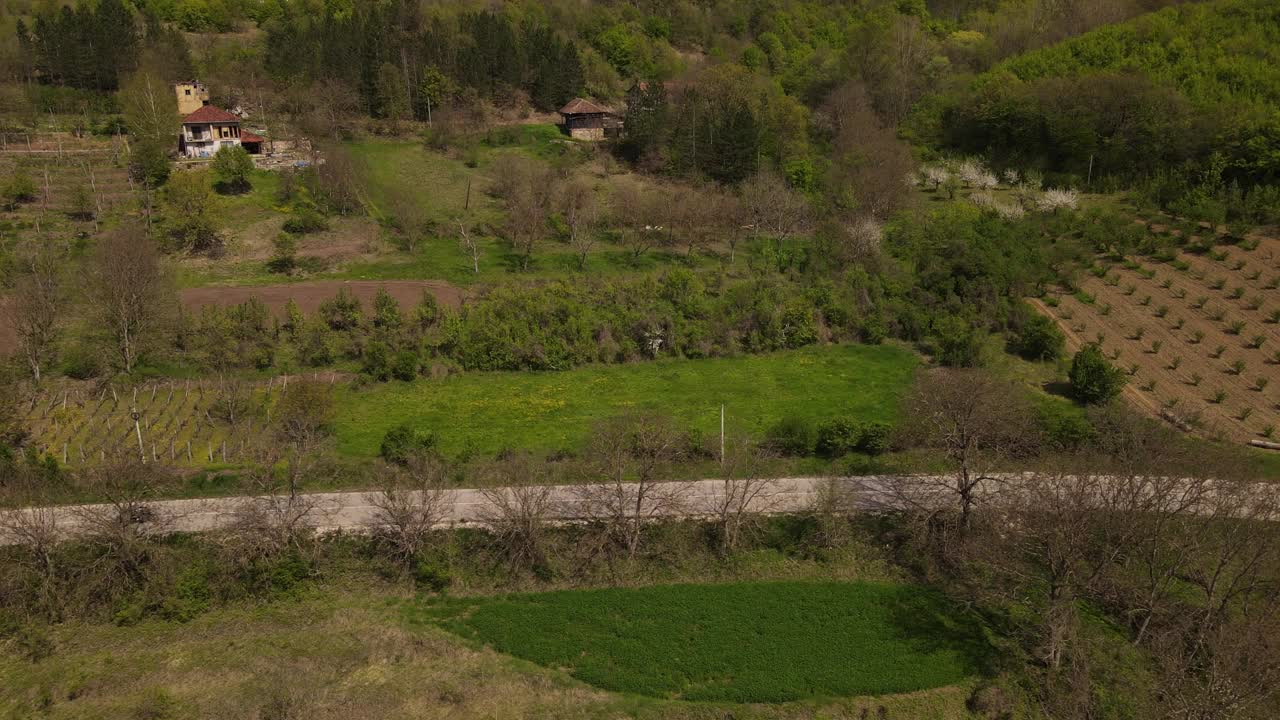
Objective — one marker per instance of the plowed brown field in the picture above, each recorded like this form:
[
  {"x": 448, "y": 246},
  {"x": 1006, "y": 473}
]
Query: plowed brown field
[{"x": 1213, "y": 367}]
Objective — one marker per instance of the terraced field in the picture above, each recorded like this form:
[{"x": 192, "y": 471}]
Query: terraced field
[
  {"x": 58, "y": 163},
  {"x": 1199, "y": 335}
]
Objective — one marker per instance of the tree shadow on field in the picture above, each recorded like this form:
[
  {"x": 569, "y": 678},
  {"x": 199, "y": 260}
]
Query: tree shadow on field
[
  {"x": 931, "y": 623},
  {"x": 1060, "y": 388}
]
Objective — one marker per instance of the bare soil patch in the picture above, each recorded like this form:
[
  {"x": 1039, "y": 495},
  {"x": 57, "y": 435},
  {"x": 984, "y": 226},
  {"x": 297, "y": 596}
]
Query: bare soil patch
[{"x": 309, "y": 295}]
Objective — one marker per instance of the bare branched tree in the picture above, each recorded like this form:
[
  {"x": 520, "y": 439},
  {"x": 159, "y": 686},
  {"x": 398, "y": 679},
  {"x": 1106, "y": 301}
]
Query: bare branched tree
[
  {"x": 774, "y": 210},
  {"x": 627, "y": 459},
  {"x": 527, "y": 187},
  {"x": 276, "y": 519},
  {"x": 37, "y": 532},
  {"x": 467, "y": 238},
  {"x": 580, "y": 209},
  {"x": 978, "y": 422},
  {"x": 122, "y": 528},
  {"x": 745, "y": 494},
  {"x": 641, "y": 218},
  {"x": 34, "y": 307},
  {"x": 520, "y": 505},
  {"x": 414, "y": 500},
  {"x": 130, "y": 292}
]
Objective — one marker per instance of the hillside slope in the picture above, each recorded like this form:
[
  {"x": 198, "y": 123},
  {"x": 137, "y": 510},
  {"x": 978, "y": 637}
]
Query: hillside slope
[{"x": 1131, "y": 99}]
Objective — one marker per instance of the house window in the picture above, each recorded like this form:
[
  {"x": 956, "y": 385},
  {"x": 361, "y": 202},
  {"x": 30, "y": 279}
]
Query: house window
[{"x": 188, "y": 91}]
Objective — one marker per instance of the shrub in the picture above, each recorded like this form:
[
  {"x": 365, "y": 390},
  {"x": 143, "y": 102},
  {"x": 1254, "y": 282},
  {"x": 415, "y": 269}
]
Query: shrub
[
  {"x": 21, "y": 188},
  {"x": 405, "y": 365},
  {"x": 792, "y": 435},
  {"x": 342, "y": 311},
  {"x": 1038, "y": 339},
  {"x": 82, "y": 363},
  {"x": 959, "y": 344},
  {"x": 232, "y": 167},
  {"x": 284, "y": 260},
  {"x": 837, "y": 437},
  {"x": 377, "y": 362},
  {"x": 402, "y": 442},
  {"x": 1093, "y": 379},
  {"x": 1064, "y": 426},
  {"x": 305, "y": 221}
]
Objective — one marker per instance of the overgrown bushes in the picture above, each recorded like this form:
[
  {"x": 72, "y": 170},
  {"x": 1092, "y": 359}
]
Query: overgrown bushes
[{"x": 799, "y": 437}]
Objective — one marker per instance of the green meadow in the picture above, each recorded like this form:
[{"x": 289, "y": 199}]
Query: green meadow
[
  {"x": 741, "y": 642},
  {"x": 489, "y": 412}
]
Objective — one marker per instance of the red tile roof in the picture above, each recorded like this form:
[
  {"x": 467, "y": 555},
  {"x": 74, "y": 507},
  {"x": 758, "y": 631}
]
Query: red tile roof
[
  {"x": 246, "y": 136},
  {"x": 210, "y": 114},
  {"x": 578, "y": 106}
]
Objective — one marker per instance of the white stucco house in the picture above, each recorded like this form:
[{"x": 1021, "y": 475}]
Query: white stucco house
[{"x": 206, "y": 130}]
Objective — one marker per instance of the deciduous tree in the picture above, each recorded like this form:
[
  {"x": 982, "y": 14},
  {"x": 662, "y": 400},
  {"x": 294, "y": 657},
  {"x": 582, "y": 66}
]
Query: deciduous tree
[
  {"x": 130, "y": 292},
  {"x": 34, "y": 309}
]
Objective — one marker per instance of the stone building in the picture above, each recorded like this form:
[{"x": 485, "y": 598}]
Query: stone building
[
  {"x": 584, "y": 120},
  {"x": 191, "y": 97}
]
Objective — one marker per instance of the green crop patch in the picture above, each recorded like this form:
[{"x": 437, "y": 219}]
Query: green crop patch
[
  {"x": 487, "y": 412},
  {"x": 744, "y": 642}
]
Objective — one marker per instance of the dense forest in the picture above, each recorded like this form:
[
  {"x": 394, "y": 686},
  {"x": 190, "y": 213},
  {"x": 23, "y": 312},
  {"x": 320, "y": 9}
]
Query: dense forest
[{"x": 1181, "y": 101}]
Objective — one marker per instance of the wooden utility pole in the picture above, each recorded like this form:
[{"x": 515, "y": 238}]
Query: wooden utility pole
[{"x": 137, "y": 428}]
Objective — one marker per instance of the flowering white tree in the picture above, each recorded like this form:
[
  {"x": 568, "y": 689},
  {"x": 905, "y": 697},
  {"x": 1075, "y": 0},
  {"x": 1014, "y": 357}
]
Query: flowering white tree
[
  {"x": 865, "y": 234},
  {"x": 912, "y": 179},
  {"x": 971, "y": 172},
  {"x": 983, "y": 200},
  {"x": 1055, "y": 199},
  {"x": 935, "y": 175},
  {"x": 985, "y": 180},
  {"x": 1011, "y": 211},
  {"x": 1012, "y": 177}
]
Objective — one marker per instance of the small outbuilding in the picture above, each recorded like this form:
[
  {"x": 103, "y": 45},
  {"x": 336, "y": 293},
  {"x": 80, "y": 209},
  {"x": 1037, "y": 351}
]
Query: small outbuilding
[{"x": 585, "y": 120}]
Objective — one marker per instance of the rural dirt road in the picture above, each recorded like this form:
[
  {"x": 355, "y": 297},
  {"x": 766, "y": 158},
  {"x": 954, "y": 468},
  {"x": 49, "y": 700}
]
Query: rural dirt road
[{"x": 355, "y": 511}]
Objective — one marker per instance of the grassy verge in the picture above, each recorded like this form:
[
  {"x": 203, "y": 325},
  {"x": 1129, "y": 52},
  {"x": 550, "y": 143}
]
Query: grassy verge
[
  {"x": 487, "y": 412},
  {"x": 745, "y": 642}
]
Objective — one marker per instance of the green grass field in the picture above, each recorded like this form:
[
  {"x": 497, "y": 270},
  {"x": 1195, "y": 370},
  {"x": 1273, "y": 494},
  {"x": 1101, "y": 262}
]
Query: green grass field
[
  {"x": 743, "y": 642},
  {"x": 487, "y": 412}
]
